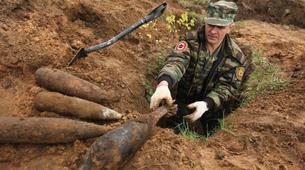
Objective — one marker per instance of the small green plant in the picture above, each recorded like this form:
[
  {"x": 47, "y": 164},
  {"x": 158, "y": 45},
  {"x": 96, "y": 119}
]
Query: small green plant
[
  {"x": 171, "y": 23},
  {"x": 152, "y": 71},
  {"x": 160, "y": 62},
  {"x": 184, "y": 22},
  {"x": 225, "y": 127},
  {"x": 265, "y": 77},
  {"x": 185, "y": 131},
  {"x": 148, "y": 89}
]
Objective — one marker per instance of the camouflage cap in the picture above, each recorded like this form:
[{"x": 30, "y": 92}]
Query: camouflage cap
[{"x": 221, "y": 13}]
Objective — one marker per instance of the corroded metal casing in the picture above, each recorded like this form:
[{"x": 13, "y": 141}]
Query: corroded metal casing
[
  {"x": 46, "y": 130},
  {"x": 115, "y": 148},
  {"x": 65, "y": 83},
  {"x": 66, "y": 105}
]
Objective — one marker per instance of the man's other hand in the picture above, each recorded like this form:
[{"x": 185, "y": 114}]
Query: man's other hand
[
  {"x": 200, "y": 108},
  {"x": 162, "y": 93}
]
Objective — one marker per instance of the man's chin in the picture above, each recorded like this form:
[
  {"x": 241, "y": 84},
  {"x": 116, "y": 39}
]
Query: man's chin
[{"x": 212, "y": 41}]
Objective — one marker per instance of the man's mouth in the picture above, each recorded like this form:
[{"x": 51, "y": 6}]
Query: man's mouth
[{"x": 212, "y": 37}]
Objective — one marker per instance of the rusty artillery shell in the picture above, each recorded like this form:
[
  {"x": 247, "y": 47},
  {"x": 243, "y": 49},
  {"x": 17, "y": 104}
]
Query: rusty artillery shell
[
  {"x": 116, "y": 147},
  {"x": 66, "y": 105},
  {"x": 65, "y": 83},
  {"x": 46, "y": 130}
]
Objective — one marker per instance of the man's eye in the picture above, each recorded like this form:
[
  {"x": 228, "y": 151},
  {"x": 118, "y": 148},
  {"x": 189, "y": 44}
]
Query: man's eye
[{"x": 220, "y": 27}]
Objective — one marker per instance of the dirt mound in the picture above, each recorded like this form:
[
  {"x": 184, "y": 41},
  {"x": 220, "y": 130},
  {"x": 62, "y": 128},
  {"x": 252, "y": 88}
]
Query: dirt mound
[
  {"x": 268, "y": 133},
  {"x": 49, "y": 33},
  {"x": 275, "y": 11}
]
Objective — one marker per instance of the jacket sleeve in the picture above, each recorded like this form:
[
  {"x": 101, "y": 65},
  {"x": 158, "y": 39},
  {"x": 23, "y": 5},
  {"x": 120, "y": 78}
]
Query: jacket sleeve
[
  {"x": 176, "y": 64},
  {"x": 228, "y": 82}
]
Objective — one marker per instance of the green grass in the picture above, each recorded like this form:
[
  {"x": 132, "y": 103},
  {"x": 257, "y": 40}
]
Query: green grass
[
  {"x": 149, "y": 91},
  {"x": 265, "y": 77},
  {"x": 185, "y": 131},
  {"x": 152, "y": 73},
  {"x": 224, "y": 127}
]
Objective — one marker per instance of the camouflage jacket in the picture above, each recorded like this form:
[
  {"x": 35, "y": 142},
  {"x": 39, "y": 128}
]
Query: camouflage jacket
[{"x": 200, "y": 76}]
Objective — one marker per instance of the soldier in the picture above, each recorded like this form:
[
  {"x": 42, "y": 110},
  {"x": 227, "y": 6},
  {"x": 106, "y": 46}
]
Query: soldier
[{"x": 206, "y": 65}]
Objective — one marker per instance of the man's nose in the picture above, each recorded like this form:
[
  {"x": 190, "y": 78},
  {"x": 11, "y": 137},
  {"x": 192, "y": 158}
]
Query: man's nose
[{"x": 213, "y": 30}]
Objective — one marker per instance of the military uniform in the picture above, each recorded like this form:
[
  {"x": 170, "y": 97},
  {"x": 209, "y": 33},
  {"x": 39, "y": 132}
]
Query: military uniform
[
  {"x": 201, "y": 76},
  {"x": 213, "y": 78}
]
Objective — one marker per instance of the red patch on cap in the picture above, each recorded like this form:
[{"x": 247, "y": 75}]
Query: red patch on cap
[{"x": 181, "y": 46}]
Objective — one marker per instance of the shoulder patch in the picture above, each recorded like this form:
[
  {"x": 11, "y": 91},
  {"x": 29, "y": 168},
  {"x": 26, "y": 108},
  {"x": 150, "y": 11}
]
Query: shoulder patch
[
  {"x": 239, "y": 73},
  {"x": 181, "y": 46}
]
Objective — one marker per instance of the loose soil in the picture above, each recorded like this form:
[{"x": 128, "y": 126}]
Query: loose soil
[{"x": 267, "y": 133}]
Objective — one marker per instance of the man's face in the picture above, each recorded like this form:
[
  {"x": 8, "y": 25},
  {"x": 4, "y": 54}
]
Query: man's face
[{"x": 215, "y": 34}]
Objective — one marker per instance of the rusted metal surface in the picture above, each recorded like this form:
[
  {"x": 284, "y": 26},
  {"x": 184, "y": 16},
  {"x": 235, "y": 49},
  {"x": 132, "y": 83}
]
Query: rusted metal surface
[
  {"x": 46, "y": 130},
  {"x": 115, "y": 148},
  {"x": 65, "y": 83},
  {"x": 66, "y": 105}
]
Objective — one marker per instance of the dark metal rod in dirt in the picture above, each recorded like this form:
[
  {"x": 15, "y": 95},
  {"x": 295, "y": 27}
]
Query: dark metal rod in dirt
[{"x": 155, "y": 13}]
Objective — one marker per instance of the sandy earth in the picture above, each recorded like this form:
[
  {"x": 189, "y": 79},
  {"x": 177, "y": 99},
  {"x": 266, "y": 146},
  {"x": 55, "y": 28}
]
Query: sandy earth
[{"x": 267, "y": 133}]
